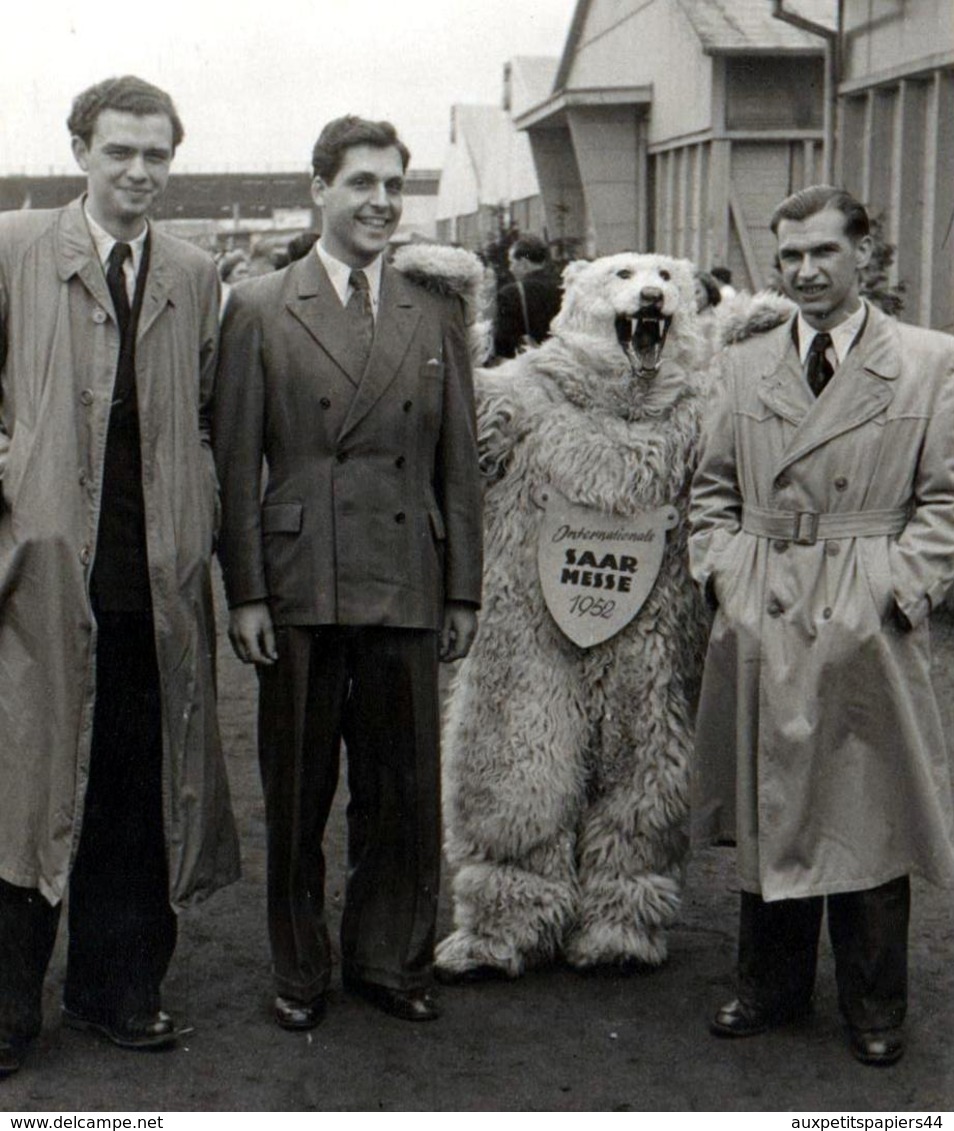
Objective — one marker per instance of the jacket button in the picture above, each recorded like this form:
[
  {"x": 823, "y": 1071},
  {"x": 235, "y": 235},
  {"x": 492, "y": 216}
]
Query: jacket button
[
  {"x": 85, "y": 555},
  {"x": 400, "y": 517},
  {"x": 408, "y": 405},
  {"x": 826, "y": 613},
  {"x": 86, "y": 396},
  {"x": 780, "y": 545},
  {"x": 99, "y": 316},
  {"x": 841, "y": 483},
  {"x": 399, "y": 462},
  {"x": 775, "y": 608},
  {"x": 832, "y": 549},
  {"x": 325, "y": 402},
  {"x": 782, "y": 481},
  {"x": 341, "y": 457}
]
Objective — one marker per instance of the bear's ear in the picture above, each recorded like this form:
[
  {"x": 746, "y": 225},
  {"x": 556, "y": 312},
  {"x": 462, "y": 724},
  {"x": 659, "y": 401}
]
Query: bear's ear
[{"x": 572, "y": 270}]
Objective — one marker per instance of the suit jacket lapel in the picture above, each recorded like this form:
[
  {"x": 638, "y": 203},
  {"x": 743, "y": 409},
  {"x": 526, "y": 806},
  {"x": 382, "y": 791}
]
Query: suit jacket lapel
[
  {"x": 398, "y": 316},
  {"x": 318, "y": 308}
]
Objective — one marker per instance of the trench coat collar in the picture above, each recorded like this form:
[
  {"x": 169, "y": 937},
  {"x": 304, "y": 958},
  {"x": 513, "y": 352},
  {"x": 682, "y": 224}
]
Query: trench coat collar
[
  {"x": 860, "y": 390},
  {"x": 318, "y": 308},
  {"x": 76, "y": 255}
]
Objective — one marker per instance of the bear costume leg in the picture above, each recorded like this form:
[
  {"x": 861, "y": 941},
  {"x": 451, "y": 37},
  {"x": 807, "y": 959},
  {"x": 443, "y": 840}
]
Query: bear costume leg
[
  {"x": 514, "y": 788},
  {"x": 633, "y": 837}
]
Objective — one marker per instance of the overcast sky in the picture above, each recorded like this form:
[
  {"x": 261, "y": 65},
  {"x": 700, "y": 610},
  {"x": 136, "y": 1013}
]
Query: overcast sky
[{"x": 255, "y": 81}]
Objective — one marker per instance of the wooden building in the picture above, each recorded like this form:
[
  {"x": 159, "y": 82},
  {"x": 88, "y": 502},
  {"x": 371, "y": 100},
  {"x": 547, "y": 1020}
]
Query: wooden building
[
  {"x": 894, "y": 143},
  {"x": 676, "y": 125}
]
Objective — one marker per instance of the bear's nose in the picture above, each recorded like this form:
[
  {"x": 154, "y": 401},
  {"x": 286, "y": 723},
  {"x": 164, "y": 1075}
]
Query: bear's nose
[{"x": 650, "y": 296}]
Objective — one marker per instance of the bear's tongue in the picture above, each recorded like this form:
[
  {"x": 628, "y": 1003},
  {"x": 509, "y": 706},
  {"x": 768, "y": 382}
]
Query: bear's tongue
[{"x": 643, "y": 338}]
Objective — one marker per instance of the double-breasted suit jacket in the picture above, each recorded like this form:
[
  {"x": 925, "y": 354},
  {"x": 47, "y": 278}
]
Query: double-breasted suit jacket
[{"x": 371, "y": 508}]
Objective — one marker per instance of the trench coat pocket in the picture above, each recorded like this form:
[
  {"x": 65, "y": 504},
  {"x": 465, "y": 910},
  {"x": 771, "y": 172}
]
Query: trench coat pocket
[
  {"x": 281, "y": 518},
  {"x": 876, "y": 566}
]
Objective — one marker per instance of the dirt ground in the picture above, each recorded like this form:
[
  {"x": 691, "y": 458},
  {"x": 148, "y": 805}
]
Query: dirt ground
[{"x": 553, "y": 1041}]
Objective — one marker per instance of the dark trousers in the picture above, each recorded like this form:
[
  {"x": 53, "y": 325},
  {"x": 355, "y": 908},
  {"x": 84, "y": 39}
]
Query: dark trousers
[
  {"x": 778, "y": 948},
  {"x": 375, "y": 688},
  {"x": 122, "y": 931}
]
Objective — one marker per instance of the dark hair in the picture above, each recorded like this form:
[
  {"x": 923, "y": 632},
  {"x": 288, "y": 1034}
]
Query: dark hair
[
  {"x": 817, "y": 198},
  {"x": 530, "y": 247},
  {"x": 127, "y": 94},
  {"x": 343, "y": 134},
  {"x": 713, "y": 294},
  {"x": 721, "y": 275}
]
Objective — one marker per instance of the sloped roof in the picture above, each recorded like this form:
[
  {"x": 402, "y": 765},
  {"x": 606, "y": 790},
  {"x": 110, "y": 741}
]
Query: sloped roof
[
  {"x": 531, "y": 81},
  {"x": 732, "y": 25}
]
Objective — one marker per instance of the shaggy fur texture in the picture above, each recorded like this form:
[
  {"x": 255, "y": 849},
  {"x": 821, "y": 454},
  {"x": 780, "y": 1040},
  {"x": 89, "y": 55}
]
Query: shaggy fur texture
[{"x": 566, "y": 769}]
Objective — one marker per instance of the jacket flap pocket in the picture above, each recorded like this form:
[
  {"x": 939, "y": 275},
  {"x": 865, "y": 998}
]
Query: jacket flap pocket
[
  {"x": 281, "y": 518},
  {"x": 437, "y": 524}
]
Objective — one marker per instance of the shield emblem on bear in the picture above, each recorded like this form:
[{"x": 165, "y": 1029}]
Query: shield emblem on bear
[{"x": 596, "y": 570}]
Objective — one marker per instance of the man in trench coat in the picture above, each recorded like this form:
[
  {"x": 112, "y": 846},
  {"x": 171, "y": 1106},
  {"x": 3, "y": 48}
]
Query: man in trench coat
[
  {"x": 111, "y": 773},
  {"x": 356, "y": 568},
  {"x": 823, "y": 529}
]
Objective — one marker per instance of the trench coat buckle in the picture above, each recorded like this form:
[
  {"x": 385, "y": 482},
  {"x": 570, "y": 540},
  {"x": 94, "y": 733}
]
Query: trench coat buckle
[{"x": 805, "y": 530}]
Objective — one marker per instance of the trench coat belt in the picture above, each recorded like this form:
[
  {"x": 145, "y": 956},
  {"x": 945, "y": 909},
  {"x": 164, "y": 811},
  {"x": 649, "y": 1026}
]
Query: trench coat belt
[{"x": 808, "y": 527}]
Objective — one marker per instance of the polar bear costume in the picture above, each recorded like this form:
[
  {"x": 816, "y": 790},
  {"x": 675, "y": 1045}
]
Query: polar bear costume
[{"x": 567, "y": 767}]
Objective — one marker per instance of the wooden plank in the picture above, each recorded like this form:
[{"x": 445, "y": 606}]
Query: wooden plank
[
  {"x": 940, "y": 143},
  {"x": 745, "y": 242}
]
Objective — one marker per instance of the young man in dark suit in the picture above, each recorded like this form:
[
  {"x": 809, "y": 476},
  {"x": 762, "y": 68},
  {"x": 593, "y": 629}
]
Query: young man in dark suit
[{"x": 352, "y": 573}]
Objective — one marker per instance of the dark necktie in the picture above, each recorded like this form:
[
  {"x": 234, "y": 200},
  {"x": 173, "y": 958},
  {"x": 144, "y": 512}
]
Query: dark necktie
[
  {"x": 116, "y": 281},
  {"x": 360, "y": 317},
  {"x": 820, "y": 369}
]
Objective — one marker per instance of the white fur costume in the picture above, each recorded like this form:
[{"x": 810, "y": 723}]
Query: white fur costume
[{"x": 566, "y": 769}]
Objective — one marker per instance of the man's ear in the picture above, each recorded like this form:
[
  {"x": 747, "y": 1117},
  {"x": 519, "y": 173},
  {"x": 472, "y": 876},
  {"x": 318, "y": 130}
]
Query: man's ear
[
  {"x": 318, "y": 187},
  {"x": 864, "y": 249},
  {"x": 80, "y": 152}
]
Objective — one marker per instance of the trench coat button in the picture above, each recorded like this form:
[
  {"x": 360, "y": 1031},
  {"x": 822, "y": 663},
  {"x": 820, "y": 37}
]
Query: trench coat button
[
  {"x": 82, "y": 477},
  {"x": 780, "y": 545},
  {"x": 400, "y": 517},
  {"x": 86, "y": 396},
  {"x": 399, "y": 462},
  {"x": 85, "y": 555},
  {"x": 782, "y": 481},
  {"x": 341, "y": 457},
  {"x": 841, "y": 483},
  {"x": 832, "y": 549},
  {"x": 826, "y": 613},
  {"x": 408, "y": 405},
  {"x": 325, "y": 402},
  {"x": 99, "y": 316},
  {"x": 775, "y": 608}
]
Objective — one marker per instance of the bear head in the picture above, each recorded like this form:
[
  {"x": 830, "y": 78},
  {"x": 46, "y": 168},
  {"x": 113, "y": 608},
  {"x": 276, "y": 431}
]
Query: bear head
[{"x": 644, "y": 303}]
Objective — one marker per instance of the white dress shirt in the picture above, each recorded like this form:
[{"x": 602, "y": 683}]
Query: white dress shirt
[
  {"x": 339, "y": 273},
  {"x": 842, "y": 338},
  {"x": 104, "y": 243}
]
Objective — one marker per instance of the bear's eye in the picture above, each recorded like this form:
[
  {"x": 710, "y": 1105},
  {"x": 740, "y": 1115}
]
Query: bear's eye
[
  {"x": 665, "y": 275},
  {"x": 624, "y": 274}
]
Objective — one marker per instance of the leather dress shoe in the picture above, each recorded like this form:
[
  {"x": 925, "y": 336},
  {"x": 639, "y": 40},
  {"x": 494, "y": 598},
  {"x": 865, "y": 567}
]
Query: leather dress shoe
[
  {"x": 738, "y": 1019},
  {"x": 11, "y": 1057},
  {"x": 878, "y": 1047},
  {"x": 297, "y": 1015},
  {"x": 408, "y": 1005},
  {"x": 143, "y": 1032}
]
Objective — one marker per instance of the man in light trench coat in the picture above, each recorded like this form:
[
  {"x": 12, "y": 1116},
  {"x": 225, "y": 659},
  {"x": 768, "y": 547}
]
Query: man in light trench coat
[
  {"x": 823, "y": 529},
  {"x": 111, "y": 769}
]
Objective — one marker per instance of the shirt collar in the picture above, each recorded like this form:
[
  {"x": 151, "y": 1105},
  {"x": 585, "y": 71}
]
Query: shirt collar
[
  {"x": 339, "y": 274},
  {"x": 842, "y": 336},
  {"x": 104, "y": 242}
]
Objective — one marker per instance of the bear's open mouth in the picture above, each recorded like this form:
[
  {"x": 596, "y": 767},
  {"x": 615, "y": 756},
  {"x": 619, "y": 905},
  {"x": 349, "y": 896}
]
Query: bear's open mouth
[{"x": 643, "y": 336}]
